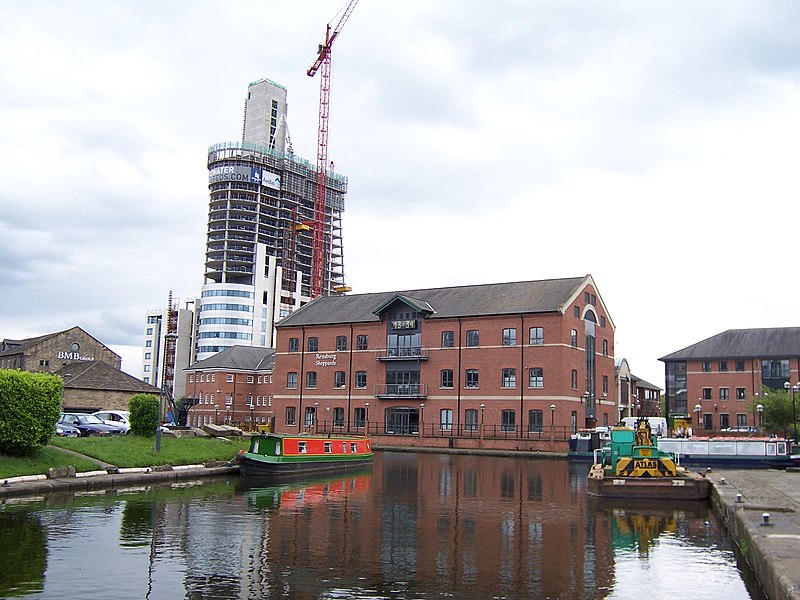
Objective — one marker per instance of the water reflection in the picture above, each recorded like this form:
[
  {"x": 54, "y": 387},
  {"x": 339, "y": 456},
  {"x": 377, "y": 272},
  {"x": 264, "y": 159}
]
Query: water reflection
[{"x": 412, "y": 526}]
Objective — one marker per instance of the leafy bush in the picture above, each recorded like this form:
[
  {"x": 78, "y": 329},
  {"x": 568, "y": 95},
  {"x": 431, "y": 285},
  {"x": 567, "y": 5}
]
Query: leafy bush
[
  {"x": 29, "y": 407},
  {"x": 144, "y": 414}
]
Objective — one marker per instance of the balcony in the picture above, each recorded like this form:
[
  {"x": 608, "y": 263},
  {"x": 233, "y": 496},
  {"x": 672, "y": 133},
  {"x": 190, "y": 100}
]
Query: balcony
[
  {"x": 401, "y": 390},
  {"x": 414, "y": 353}
]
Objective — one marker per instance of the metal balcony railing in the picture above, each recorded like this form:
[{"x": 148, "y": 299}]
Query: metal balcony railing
[
  {"x": 415, "y": 353},
  {"x": 401, "y": 390}
]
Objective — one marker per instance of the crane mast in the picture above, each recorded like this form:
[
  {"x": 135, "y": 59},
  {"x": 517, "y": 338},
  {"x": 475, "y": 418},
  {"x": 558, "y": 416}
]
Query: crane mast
[{"x": 323, "y": 64}]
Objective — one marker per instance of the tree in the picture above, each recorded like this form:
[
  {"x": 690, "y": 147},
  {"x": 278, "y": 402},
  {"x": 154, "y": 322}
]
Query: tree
[
  {"x": 777, "y": 409},
  {"x": 29, "y": 407},
  {"x": 144, "y": 414}
]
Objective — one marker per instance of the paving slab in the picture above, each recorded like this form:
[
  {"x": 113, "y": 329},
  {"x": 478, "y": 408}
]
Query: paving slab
[{"x": 761, "y": 509}]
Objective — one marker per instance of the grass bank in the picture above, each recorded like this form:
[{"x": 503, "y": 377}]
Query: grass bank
[{"x": 124, "y": 451}]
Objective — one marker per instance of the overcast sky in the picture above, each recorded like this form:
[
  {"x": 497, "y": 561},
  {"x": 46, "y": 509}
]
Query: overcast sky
[{"x": 653, "y": 145}]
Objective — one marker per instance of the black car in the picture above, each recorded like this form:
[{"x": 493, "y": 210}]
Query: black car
[{"x": 87, "y": 424}]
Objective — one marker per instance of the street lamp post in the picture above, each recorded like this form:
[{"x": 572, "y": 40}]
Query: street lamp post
[
  {"x": 552, "y": 422},
  {"x": 621, "y": 411},
  {"x": 366, "y": 418},
  {"x": 483, "y": 409},
  {"x": 795, "y": 389},
  {"x": 216, "y": 414},
  {"x": 421, "y": 419},
  {"x": 252, "y": 423},
  {"x": 760, "y": 409},
  {"x": 698, "y": 409}
]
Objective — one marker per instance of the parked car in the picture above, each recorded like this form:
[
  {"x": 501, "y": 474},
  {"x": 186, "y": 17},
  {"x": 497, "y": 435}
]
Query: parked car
[
  {"x": 88, "y": 424},
  {"x": 120, "y": 419},
  {"x": 66, "y": 430}
]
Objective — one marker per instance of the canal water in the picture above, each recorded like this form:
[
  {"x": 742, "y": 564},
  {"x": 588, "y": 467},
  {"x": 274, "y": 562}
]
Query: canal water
[{"x": 413, "y": 526}]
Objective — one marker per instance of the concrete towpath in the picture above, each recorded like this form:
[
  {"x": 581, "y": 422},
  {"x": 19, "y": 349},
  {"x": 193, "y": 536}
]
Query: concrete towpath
[{"x": 761, "y": 509}]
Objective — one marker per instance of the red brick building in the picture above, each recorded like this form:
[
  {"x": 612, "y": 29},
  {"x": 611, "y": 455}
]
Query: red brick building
[
  {"x": 515, "y": 362},
  {"x": 717, "y": 383},
  {"x": 232, "y": 387}
]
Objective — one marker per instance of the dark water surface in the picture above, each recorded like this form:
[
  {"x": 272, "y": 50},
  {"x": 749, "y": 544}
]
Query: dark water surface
[{"x": 412, "y": 526}]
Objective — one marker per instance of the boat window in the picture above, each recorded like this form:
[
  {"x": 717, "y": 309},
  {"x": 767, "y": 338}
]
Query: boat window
[
  {"x": 277, "y": 448},
  {"x": 353, "y": 447},
  {"x": 344, "y": 447},
  {"x": 781, "y": 448},
  {"x": 255, "y": 447},
  {"x": 328, "y": 447},
  {"x": 301, "y": 446}
]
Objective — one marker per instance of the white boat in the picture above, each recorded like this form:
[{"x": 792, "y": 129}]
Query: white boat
[{"x": 735, "y": 452}]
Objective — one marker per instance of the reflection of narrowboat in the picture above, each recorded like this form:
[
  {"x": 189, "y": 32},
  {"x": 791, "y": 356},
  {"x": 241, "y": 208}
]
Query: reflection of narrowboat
[
  {"x": 281, "y": 454},
  {"x": 296, "y": 492},
  {"x": 632, "y": 466}
]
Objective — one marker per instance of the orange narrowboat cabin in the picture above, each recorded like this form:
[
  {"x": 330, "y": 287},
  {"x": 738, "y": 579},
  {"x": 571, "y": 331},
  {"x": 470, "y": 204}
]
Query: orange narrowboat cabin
[{"x": 276, "y": 454}]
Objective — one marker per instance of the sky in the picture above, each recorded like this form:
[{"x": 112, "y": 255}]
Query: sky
[{"x": 653, "y": 145}]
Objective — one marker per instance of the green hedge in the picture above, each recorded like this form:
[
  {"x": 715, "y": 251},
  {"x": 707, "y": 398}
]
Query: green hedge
[
  {"x": 29, "y": 407},
  {"x": 144, "y": 414}
]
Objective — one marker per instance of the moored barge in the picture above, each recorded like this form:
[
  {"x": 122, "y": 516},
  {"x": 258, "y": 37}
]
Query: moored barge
[
  {"x": 285, "y": 454},
  {"x": 632, "y": 467}
]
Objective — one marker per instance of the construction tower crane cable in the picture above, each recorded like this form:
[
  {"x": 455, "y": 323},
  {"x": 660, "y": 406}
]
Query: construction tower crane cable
[{"x": 323, "y": 64}]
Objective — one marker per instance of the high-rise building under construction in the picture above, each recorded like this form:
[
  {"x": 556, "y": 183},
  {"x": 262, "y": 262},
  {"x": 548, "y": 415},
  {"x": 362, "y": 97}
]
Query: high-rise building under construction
[{"x": 259, "y": 239}]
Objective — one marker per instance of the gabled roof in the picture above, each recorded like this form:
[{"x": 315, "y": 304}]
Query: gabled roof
[
  {"x": 418, "y": 305},
  {"x": 98, "y": 375},
  {"x": 238, "y": 358},
  {"x": 777, "y": 342},
  {"x": 644, "y": 384},
  {"x": 522, "y": 297},
  {"x": 21, "y": 346}
]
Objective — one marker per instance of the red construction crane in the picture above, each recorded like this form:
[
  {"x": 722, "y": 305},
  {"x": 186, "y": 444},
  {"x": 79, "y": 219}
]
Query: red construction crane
[{"x": 324, "y": 62}]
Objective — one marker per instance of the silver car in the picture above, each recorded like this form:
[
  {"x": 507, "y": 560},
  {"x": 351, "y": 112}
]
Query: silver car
[{"x": 120, "y": 419}]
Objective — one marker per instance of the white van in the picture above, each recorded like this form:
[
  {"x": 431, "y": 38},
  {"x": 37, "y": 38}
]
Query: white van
[{"x": 658, "y": 425}]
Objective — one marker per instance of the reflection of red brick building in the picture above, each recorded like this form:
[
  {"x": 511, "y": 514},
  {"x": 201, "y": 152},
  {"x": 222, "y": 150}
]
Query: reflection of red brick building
[{"x": 513, "y": 360}]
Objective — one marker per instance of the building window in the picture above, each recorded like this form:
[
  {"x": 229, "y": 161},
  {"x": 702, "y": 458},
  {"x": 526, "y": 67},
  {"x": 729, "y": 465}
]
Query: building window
[
  {"x": 536, "y": 377},
  {"x": 291, "y": 380},
  {"x": 574, "y": 338},
  {"x": 341, "y": 343},
  {"x": 723, "y": 393},
  {"x": 605, "y": 384},
  {"x": 147, "y": 356},
  {"x": 291, "y": 415},
  {"x": 249, "y": 379},
  {"x": 148, "y": 344},
  {"x": 359, "y": 416},
  {"x": 576, "y": 311},
  {"x": 214, "y": 377},
  {"x": 338, "y": 416},
  {"x": 508, "y": 420},
  {"x": 739, "y": 365},
  {"x": 361, "y": 379},
  {"x": 446, "y": 378},
  {"x": 311, "y": 379},
  {"x": 471, "y": 419},
  {"x": 706, "y": 393},
  {"x": 535, "y": 421},
  {"x": 602, "y": 320},
  {"x": 587, "y": 297},
  {"x": 311, "y": 416},
  {"x": 509, "y": 378},
  {"x": 573, "y": 381},
  {"x": 509, "y": 337},
  {"x": 313, "y": 344},
  {"x": 338, "y": 379},
  {"x": 361, "y": 342},
  {"x": 446, "y": 419},
  {"x": 228, "y": 378},
  {"x": 471, "y": 378},
  {"x": 605, "y": 347},
  {"x": 536, "y": 336},
  {"x": 448, "y": 340},
  {"x": 723, "y": 366},
  {"x": 741, "y": 393},
  {"x": 706, "y": 366},
  {"x": 741, "y": 420},
  {"x": 149, "y": 331},
  {"x": 294, "y": 344},
  {"x": 473, "y": 337}
]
